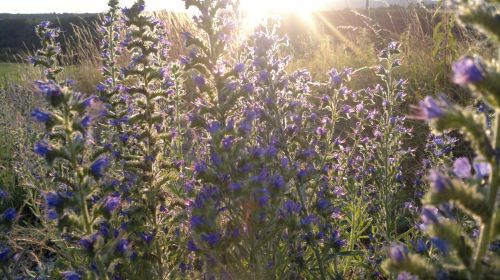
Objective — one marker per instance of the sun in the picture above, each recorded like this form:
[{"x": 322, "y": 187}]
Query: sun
[{"x": 255, "y": 10}]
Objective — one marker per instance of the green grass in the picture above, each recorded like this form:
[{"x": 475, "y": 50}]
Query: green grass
[{"x": 11, "y": 73}]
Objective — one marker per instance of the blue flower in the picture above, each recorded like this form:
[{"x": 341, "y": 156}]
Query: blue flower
[
  {"x": 52, "y": 92},
  {"x": 428, "y": 109},
  {"x": 398, "y": 253},
  {"x": 97, "y": 167},
  {"x": 429, "y": 215},
  {"x": 148, "y": 237},
  {"x": 248, "y": 88},
  {"x": 439, "y": 182},
  {"x": 406, "y": 276},
  {"x": 227, "y": 142},
  {"x": 440, "y": 244},
  {"x": 278, "y": 182},
  {"x": 211, "y": 238},
  {"x": 52, "y": 214},
  {"x": 235, "y": 186},
  {"x": 112, "y": 202},
  {"x": 197, "y": 221},
  {"x": 336, "y": 241},
  {"x": 420, "y": 246},
  {"x": 192, "y": 246},
  {"x": 462, "y": 168},
  {"x": 53, "y": 199},
  {"x": 308, "y": 220},
  {"x": 10, "y": 214},
  {"x": 44, "y": 24},
  {"x": 467, "y": 70},
  {"x": 214, "y": 127},
  {"x": 322, "y": 204},
  {"x": 122, "y": 246},
  {"x": 291, "y": 207},
  {"x": 85, "y": 121},
  {"x": 482, "y": 168},
  {"x": 3, "y": 194},
  {"x": 87, "y": 242},
  {"x": 335, "y": 78},
  {"x": 71, "y": 275},
  {"x": 41, "y": 116},
  {"x": 199, "y": 81},
  {"x": 42, "y": 148},
  {"x": 263, "y": 198},
  {"x": 240, "y": 67},
  {"x": 4, "y": 254}
]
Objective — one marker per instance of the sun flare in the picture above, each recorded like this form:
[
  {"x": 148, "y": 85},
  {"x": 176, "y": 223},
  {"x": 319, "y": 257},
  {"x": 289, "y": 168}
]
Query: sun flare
[{"x": 255, "y": 10}]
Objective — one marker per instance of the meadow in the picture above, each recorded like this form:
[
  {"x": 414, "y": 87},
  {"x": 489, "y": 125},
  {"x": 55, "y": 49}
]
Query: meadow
[{"x": 349, "y": 144}]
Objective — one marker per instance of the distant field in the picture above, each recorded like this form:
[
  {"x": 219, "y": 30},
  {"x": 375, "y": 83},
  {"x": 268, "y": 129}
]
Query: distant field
[{"x": 11, "y": 72}]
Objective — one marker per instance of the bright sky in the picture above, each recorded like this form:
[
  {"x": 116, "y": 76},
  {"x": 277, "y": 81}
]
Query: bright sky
[
  {"x": 79, "y": 6},
  {"x": 92, "y": 6},
  {"x": 254, "y": 6}
]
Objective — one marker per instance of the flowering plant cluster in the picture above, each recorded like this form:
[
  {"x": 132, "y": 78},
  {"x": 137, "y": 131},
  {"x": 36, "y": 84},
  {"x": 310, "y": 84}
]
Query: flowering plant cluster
[
  {"x": 226, "y": 165},
  {"x": 460, "y": 211}
]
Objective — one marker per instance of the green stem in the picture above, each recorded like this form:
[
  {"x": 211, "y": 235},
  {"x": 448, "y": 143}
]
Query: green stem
[
  {"x": 317, "y": 253},
  {"x": 485, "y": 236}
]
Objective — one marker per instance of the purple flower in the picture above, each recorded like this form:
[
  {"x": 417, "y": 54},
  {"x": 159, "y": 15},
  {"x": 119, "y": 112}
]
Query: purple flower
[
  {"x": 248, "y": 88},
  {"x": 467, "y": 70},
  {"x": 122, "y": 246},
  {"x": 240, "y": 67},
  {"x": 482, "y": 168},
  {"x": 85, "y": 122},
  {"x": 308, "y": 220},
  {"x": 420, "y": 246},
  {"x": 291, "y": 207},
  {"x": 322, "y": 204},
  {"x": 53, "y": 199},
  {"x": 71, "y": 275},
  {"x": 406, "y": 276},
  {"x": 52, "y": 214},
  {"x": 87, "y": 242},
  {"x": 428, "y": 109},
  {"x": 44, "y": 24},
  {"x": 42, "y": 148},
  {"x": 112, "y": 202},
  {"x": 52, "y": 92},
  {"x": 321, "y": 131},
  {"x": 199, "y": 81},
  {"x": 214, "y": 127},
  {"x": 97, "y": 167},
  {"x": 263, "y": 76},
  {"x": 398, "y": 253},
  {"x": 41, "y": 116},
  {"x": 335, "y": 78},
  {"x": 440, "y": 244},
  {"x": 227, "y": 142},
  {"x": 234, "y": 186},
  {"x": 10, "y": 214},
  {"x": 263, "y": 198},
  {"x": 4, "y": 254},
  {"x": 192, "y": 246},
  {"x": 148, "y": 237},
  {"x": 3, "y": 194},
  {"x": 278, "y": 182},
  {"x": 462, "y": 168},
  {"x": 336, "y": 241},
  {"x": 430, "y": 215},
  {"x": 200, "y": 167},
  {"x": 197, "y": 221},
  {"x": 439, "y": 182},
  {"x": 211, "y": 238}
]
